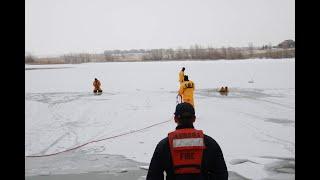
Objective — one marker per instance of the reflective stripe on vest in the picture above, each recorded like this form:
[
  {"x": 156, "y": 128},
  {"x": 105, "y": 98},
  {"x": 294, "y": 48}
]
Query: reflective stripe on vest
[{"x": 186, "y": 147}]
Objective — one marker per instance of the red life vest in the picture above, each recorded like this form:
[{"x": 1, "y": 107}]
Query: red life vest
[{"x": 186, "y": 147}]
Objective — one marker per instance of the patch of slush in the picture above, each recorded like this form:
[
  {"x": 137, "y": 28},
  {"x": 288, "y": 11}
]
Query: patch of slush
[
  {"x": 78, "y": 162},
  {"x": 281, "y": 170},
  {"x": 280, "y": 121},
  {"x": 79, "y": 165},
  {"x": 238, "y": 93},
  {"x": 239, "y": 161},
  {"x": 130, "y": 175}
]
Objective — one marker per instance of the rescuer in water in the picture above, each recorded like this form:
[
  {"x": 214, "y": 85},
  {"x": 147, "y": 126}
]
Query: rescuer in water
[
  {"x": 224, "y": 90},
  {"x": 187, "y": 153}
]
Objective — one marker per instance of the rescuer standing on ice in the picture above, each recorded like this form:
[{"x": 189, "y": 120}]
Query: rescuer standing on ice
[
  {"x": 96, "y": 84},
  {"x": 187, "y": 153},
  {"x": 186, "y": 90},
  {"x": 181, "y": 75}
]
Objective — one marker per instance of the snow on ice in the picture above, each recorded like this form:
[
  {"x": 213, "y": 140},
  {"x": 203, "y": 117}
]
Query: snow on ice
[{"x": 254, "y": 124}]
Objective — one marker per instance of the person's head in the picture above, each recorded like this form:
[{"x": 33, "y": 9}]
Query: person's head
[
  {"x": 226, "y": 88},
  {"x": 95, "y": 79},
  {"x": 186, "y": 78},
  {"x": 183, "y": 69},
  {"x": 184, "y": 114}
]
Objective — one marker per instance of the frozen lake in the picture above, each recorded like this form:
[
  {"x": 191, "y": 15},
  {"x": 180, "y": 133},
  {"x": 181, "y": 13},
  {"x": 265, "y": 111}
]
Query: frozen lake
[{"x": 254, "y": 124}]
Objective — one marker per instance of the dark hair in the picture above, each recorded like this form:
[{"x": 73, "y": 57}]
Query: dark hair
[
  {"x": 186, "y": 121},
  {"x": 186, "y": 78},
  {"x": 185, "y": 114},
  {"x": 183, "y": 68}
]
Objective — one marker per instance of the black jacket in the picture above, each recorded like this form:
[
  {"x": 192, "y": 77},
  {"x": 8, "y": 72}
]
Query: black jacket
[{"x": 213, "y": 165}]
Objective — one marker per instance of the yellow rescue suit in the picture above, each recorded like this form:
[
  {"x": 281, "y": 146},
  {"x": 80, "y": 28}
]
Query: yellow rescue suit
[{"x": 186, "y": 91}]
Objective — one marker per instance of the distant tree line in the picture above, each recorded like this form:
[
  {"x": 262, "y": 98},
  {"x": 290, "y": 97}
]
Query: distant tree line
[
  {"x": 285, "y": 49},
  {"x": 196, "y": 52},
  {"x": 131, "y": 51},
  {"x": 199, "y": 53},
  {"x": 76, "y": 58}
]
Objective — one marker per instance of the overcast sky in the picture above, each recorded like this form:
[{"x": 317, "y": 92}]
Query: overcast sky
[{"x": 63, "y": 26}]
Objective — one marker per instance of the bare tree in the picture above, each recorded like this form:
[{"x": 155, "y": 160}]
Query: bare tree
[
  {"x": 216, "y": 54},
  {"x": 76, "y": 58},
  {"x": 195, "y": 52},
  {"x": 250, "y": 49},
  {"x": 29, "y": 58},
  {"x": 224, "y": 52},
  {"x": 170, "y": 54}
]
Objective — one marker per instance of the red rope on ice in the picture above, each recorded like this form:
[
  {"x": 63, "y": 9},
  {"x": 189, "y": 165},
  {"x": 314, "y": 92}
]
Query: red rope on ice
[{"x": 130, "y": 132}]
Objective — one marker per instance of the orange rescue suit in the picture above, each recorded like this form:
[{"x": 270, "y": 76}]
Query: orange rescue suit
[
  {"x": 186, "y": 148},
  {"x": 97, "y": 84},
  {"x": 186, "y": 91}
]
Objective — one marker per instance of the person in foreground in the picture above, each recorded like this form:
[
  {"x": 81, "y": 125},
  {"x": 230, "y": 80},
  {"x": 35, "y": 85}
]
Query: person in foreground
[{"x": 187, "y": 153}]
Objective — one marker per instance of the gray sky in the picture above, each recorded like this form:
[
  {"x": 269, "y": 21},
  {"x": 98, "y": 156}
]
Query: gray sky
[{"x": 64, "y": 26}]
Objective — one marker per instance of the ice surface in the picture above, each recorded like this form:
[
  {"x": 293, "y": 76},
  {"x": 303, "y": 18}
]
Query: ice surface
[{"x": 254, "y": 122}]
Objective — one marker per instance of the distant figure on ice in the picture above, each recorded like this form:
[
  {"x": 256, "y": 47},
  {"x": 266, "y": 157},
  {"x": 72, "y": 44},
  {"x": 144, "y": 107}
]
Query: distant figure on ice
[
  {"x": 96, "y": 85},
  {"x": 187, "y": 153},
  {"x": 186, "y": 90},
  {"x": 224, "y": 90},
  {"x": 181, "y": 75}
]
